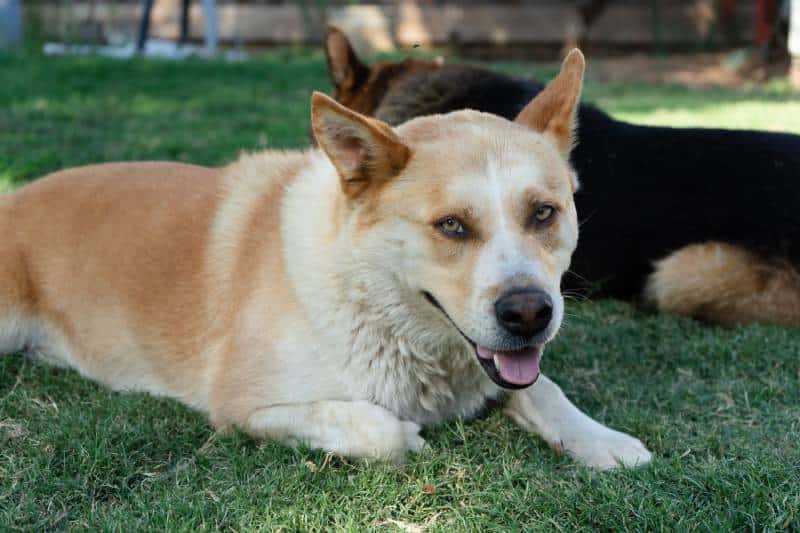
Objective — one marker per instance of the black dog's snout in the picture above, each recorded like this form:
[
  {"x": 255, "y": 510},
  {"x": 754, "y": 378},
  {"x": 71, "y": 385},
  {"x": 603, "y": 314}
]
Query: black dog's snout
[{"x": 524, "y": 312}]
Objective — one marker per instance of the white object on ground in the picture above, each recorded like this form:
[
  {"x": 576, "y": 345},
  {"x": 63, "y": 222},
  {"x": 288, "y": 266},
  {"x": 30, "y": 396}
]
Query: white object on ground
[{"x": 157, "y": 48}]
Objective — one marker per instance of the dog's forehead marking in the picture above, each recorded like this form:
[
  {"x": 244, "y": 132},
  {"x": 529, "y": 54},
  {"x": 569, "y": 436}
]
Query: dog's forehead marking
[
  {"x": 497, "y": 175},
  {"x": 503, "y": 256},
  {"x": 507, "y": 175}
]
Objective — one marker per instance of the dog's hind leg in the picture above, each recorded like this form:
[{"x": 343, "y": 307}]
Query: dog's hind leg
[
  {"x": 543, "y": 409},
  {"x": 725, "y": 284},
  {"x": 16, "y": 314}
]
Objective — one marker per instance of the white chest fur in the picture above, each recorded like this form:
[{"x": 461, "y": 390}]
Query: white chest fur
[{"x": 408, "y": 370}]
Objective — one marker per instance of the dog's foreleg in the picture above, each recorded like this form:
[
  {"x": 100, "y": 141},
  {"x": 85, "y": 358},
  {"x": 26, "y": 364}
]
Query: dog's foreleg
[
  {"x": 544, "y": 410},
  {"x": 349, "y": 428}
]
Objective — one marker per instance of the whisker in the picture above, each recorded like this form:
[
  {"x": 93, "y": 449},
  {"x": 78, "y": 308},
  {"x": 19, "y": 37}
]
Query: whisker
[
  {"x": 576, "y": 296},
  {"x": 582, "y": 278},
  {"x": 587, "y": 219}
]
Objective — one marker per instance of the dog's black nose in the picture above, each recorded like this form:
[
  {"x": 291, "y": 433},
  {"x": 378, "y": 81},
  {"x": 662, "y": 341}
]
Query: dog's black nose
[{"x": 524, "y": 312}]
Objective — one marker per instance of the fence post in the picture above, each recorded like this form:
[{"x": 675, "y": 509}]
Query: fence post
[{"x": 211, "y": 37}]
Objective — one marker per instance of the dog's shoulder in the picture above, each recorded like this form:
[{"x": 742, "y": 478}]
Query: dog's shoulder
[{"x": 248, "y": 220}]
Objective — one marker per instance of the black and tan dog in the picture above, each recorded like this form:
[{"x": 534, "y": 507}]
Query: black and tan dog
[{"x": 702, "y": 222}]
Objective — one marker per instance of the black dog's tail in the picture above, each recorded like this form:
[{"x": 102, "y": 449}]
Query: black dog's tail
[{"x": 725, "y": 284}]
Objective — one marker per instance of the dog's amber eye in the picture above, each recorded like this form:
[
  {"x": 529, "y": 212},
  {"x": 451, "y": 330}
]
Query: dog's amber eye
[
  {"x": 543, "y": 213},
  {"x": 452, "y": 226}
]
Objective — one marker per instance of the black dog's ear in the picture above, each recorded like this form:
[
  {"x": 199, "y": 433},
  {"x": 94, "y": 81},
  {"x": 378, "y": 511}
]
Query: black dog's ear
[{"x": 345, "y": 68}]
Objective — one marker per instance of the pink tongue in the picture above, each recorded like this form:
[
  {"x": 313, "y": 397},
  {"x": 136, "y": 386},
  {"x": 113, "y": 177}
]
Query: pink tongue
[{"x": 520, "y": 367}]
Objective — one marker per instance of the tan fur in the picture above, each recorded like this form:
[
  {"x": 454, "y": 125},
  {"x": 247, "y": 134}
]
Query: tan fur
[
  {"x": 365, "y": 151},
  {"x": 726, "y": 284},
  {"x": 553, "y": 110},
  {"x": 88, "y": 270},
  {"x": 272, "y": 296}
]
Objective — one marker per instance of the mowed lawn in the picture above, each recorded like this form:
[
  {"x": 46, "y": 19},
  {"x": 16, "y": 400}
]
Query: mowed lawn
[{"x": 720, "y": 408}]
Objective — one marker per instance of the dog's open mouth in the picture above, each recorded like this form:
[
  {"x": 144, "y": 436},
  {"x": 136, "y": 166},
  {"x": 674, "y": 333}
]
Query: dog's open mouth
[{"x": 512, "y": 369}]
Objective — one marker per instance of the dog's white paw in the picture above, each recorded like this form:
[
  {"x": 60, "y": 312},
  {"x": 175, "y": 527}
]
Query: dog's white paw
[
  {"x": 376, "y": 433},
  {"x": 415, "y": 442},
  {"x": 605, "y": 448}
]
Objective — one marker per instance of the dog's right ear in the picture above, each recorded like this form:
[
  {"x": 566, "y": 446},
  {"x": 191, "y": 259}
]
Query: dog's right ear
[
  {"x": 366, "y": 152},
  {"x": 345, "y": 68},
  {"x": 553, "y": 111}
]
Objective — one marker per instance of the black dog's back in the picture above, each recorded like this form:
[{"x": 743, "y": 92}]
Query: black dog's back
[
  {"x": 645, "y": 191},
  {"x": 650, "y": 191},
  {"x": 452, "y": 88}
]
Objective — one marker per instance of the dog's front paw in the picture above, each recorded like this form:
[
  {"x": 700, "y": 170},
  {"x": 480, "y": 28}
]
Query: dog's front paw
[
  {"x": 605, "y": 448},
  {"x": 376, "y": 433}
]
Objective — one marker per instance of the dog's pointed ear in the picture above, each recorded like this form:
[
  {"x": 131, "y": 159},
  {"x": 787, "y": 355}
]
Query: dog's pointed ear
[
  {"x": 345, "y": 68},
  {"x": 364, "y": 151},
  {"x": 553, "y": 111}
]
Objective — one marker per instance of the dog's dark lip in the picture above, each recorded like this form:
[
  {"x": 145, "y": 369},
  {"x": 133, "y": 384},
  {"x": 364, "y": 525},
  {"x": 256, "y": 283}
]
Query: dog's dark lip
[{"x": 487, "y": 364}]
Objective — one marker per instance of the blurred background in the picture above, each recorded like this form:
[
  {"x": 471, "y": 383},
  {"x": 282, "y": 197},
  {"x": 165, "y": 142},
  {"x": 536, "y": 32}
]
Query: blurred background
[
  {"x": 198, "y": 80},
  {"x": 755, "y": 33}
]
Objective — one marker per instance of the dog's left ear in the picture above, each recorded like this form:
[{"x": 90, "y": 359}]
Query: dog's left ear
[
  {"x": 345, "y": 68},
  {"x": 364, "y": 151},
  {"x": 553, "y": 111}
]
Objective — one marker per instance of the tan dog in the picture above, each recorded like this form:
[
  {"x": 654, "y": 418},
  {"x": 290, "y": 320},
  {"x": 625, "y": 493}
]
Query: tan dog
[{"x": 341, "y": 297}]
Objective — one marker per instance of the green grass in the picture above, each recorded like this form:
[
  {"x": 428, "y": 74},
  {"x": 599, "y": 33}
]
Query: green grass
[{"x": 720, "y": 408}]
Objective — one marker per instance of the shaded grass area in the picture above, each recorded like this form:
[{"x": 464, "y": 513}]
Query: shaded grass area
[{"x": 720, "y": 408}]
